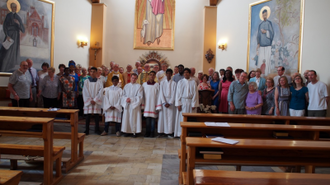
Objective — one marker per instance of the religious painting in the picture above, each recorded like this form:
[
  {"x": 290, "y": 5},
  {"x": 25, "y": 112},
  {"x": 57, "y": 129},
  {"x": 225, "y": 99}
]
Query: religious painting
[
  {"x": 275, "y": 36},
  {"x": 154, "y": 24},
  {"x": 26, "y": 31}
]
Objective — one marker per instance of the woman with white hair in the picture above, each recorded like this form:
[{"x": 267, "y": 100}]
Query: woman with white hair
[{"x": 253, "y": 101}]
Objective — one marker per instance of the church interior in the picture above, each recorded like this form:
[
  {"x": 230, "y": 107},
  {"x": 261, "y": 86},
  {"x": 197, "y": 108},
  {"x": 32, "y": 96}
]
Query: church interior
[{"x": 96, "y": 32}]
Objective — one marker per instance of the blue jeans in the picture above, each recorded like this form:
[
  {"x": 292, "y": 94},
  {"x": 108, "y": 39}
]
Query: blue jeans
[
  {"x": 106, "y": 127},
  {"x": 150, "y": 127}
]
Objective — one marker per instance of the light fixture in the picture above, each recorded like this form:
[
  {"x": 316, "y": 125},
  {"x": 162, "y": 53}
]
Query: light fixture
[
  {"x": 222, "y": 44},
  {"x": 82, "y": 41}
]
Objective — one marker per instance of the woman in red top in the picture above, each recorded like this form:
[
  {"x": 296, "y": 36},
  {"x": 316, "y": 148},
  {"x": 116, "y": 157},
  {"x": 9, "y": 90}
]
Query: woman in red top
[{"x": 223, "y": 91}]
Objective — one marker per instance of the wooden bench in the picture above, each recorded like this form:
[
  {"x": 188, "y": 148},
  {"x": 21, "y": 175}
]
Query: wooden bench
[
  {"x": 35, "y": 150},
  {"x": 76, "y": 139},
  {"x": 260, "y": 152},
  {"x": 9, "y": 177},
  {"x": 46, "y": 151},
  {"x": 252, "y": 131},
  {"x": 208, "y": 177},
  {"x": 238, "y": 118}
]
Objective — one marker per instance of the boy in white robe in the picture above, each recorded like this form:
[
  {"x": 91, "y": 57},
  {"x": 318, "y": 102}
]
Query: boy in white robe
[
  {"x": 166, "y": 118},
  {"x": 186, "y": 99},
  {"x": 112, "y": 107},
  {"x": 131, "y": 102},
  {"x": 161, "y": 75},
  {"x": 150, "y": 91},
  {"x": 92, "y": 95}
]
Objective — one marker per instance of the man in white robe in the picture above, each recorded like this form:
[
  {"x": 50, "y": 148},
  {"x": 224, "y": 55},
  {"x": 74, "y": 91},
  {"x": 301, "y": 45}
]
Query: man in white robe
[
  {"x": 92, "y": 95},
  {"x": 150, "y": 91},
  {"x": 167, "y": 91},
  {"x": 112, "y": 106},
  {"x": 161, "y": 75},
  {"x": 131, "y": 102},
  {"x": 186, "y": 99}
]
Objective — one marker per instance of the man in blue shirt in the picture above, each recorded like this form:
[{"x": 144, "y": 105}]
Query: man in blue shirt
[{"x": 238, "y": 90}]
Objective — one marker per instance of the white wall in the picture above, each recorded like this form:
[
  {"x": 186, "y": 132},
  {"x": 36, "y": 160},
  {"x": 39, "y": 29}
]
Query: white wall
[
  {"x": 70, "y": 21},
  {"x": 188, "y": 48},
  {"x": 232, "y": 23}
]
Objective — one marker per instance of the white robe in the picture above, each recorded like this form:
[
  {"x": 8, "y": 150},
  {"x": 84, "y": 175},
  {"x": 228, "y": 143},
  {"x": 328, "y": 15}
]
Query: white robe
[
  {"x": 132, "y": 117},
  {"x": 166, "y": 118},
  {"x": 161, "y": 75},
  {"x": 112, "y": 98},
  {"x": 92, "y": 91},
  {"x": 150, "y": 93},
  {"x": 187, "y": 98}
]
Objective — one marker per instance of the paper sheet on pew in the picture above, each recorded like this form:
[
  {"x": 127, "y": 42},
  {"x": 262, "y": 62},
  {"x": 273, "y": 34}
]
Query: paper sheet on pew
[
  {"x": 224, "y": 140},
  {"x": 217, "y": 124}
]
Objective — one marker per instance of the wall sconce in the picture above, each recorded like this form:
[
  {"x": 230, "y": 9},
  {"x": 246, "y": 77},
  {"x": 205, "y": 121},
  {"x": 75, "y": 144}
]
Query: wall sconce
[
  {"x": 222, "y": 44},
  {"x": 82, "y": 41}
]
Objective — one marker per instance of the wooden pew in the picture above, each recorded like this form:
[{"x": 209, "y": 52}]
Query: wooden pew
[
  {"x": 252, "y": 131},
  {"x": 260, "y": 152},
  {"x": 10, "y": 177},
  {"x": 77, "y": 140},
  {"x": 238, "y": 118},
  {"x": 47, "y": 151},
  {"x": 208, "y": 177}
]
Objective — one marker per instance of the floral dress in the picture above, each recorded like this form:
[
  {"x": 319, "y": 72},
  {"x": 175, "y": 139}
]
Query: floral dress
[{"x": 68, "y": 84}]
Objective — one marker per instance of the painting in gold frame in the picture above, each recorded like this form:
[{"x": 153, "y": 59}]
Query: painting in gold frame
[
  {"x": 29, "y": 27},
  {"x": 275, "y": 36},
  {"x": 154, "y": 24}
]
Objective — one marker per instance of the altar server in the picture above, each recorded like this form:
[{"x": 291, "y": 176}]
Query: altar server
[
  {"x": 131, "y": 102},
  {"x": 161, "y": 75},
  {"x": 166, "y": 118},
  {"x": 186, "y": 99},
  {"x": 111, "y": 106},
  {"x": 92, "y": 95},
  {"x": 150, "y": 91}
]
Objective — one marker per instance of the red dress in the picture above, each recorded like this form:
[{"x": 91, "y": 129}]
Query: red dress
[{"x": 223, "y": 106}]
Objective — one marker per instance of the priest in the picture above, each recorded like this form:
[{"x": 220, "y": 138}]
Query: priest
[
  {"x": 127, "y": 74},
  {"x": 131, "y": 102},
  {"x": 166, "y": 118},
  {"x": 186, "y": 99},
  {"x": 161, "y": 75},
  {"x": 115, "y": 72},
  {"x": 92, "y": 95}
]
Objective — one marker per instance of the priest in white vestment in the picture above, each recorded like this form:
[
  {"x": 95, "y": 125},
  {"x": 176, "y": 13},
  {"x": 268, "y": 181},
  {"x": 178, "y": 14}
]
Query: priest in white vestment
[
  {"x": 92, "y": 95},
  {"x": 131, "y": 102},
  {"x": 150, "y": 91},
  {"x": 161, "y": 75},
  {"x": 167, "y": 109},
  {"x": 186, "y": 99},
  {"x": 112, "y": 106}
]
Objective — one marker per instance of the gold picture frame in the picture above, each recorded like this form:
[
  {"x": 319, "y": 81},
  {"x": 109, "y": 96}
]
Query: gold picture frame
[
  {"x": 48, "y": 30},
  {"x": 141, "y": 23},
  {"x": 286, "y": 47}
]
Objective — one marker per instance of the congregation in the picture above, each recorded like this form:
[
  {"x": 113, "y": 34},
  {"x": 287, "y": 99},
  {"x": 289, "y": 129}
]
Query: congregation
[{"x": 160, "y": 95}]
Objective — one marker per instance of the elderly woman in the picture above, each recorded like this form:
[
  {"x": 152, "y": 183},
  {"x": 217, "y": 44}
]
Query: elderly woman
[
  {"x": 44, "y": 71},
  {"x": 20, "y": 86},
  {"x": 68, "y": 86},
  {"x": 268, "y": 106},
  {"x": 253, "y": 101},
  {"x": 282, "y": 97},
  {"x": 204, "y": 85},
  {"x": 49, "y": 88},
  {"x": 299, "y": 97}
]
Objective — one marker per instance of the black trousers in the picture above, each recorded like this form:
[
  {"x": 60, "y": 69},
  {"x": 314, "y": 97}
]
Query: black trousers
[
  {"x": 50, "y": 102},
  {"x": 80, "y": 102},
  {"x": 21, "y": 103},
  {"x": 97, "y": 119}
]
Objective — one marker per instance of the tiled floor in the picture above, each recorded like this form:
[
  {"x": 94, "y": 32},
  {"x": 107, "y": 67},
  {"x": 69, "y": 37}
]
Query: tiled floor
[{"x": 114, "y": 160}]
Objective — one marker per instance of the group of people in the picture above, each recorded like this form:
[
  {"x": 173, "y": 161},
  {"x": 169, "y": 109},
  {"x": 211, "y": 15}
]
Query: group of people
[
  {"x": 282, "y": 95},
  {"x": 161, "y": 95}
]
